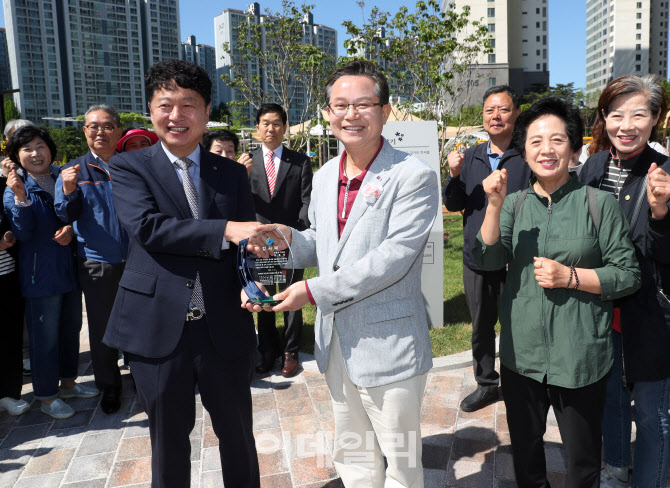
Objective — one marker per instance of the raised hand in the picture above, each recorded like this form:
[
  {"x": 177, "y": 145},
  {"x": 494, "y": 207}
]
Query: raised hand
[
  {"x": 15, "y": 183},
  {"x": 247, "y": 161},
  {"x": 70, "y": 176},
  {"x": 495, "y": 187},
  {"x": 455, "y": 160},
  {"x": 7, "y": 166},
  {"x": 658, "y": 191}
]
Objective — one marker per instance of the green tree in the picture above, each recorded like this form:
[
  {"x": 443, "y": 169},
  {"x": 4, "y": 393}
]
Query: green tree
[
  {"x": 70, "y": 142},
  {"x": 221, "y": 113},
  {"x": 11, "y": 112},
  {"x": 429, "y": 55},
  {"x": 271, "y": 63},
  {"x": 128, "y": 119}
]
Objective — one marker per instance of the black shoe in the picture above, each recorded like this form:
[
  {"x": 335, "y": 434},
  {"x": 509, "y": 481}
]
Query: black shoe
[
  {"x": 111, "y": 399},
  {"x": 479, "y": 399}
]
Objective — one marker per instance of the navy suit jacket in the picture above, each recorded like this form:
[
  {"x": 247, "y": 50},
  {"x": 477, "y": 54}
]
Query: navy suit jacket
[
  {"x": 167, "y": 247},
  {"x": 289, "y": 203}
]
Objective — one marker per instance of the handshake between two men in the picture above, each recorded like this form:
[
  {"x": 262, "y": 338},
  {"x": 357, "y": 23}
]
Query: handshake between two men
[{"x": 266, "y": 258}]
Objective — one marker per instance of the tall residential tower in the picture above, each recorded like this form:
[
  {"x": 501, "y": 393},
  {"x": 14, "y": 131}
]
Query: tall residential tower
[
  {"x": 518, "y": 32},
  {"x": 204, "y": 56},
  {"x": 625, "y": 37},
  {"x": 68, "y": 55},
  {"x": 225, "y": 31}
]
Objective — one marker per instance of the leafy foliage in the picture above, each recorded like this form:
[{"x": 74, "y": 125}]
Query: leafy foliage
[
  {"x": 428, "y": 55},
  {"x": 70, "y": 142},
  {"x": 11, "y": 112},
  {"x": 270, "y": 62}
]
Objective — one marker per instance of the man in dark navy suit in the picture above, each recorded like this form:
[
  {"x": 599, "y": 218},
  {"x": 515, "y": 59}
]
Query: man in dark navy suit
[
  {"x": 281, "y": 182},
  {"x": 177, "y": 312}
]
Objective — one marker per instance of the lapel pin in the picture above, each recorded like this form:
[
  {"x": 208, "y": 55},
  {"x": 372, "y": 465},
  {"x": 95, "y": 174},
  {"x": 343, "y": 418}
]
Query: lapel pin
[{"x": 627, "y": 197}]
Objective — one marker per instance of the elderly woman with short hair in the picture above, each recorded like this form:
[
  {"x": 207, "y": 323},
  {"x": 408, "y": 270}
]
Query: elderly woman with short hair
[
  {"x": 569, "y": 255},
  {"x": 47, "y": 272}
]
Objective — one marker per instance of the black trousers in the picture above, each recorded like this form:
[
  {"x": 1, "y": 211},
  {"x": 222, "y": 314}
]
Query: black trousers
[
  {"x": 578, "y": 412},
  {"x": 166, "y": 389},
  {"x": 11, "y": 336},
  {"x": 268, "y": 337},
  {"x": 100, "y": 282},
  {"x": 482, "y": 290}
]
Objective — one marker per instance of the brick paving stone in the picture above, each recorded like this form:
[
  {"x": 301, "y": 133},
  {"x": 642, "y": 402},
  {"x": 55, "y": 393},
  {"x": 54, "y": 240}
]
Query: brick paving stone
[
  {"x": 469, "y": 474},
  {"x": 209, "y": 438},
  {"x": 134, "y": 447},
  {"x": 269, "y": 441},
  {"x": 25, "y": 436},
  {"x": 263, "y": 401},
  {"x": 282, "y": 480},
  {"x": 319, "y": 393},
  {"x": 435, "y": 457},
  {"x": 295, "y": 407},
  {"x": 480, "y": 451},
  {"x": 211, "y": 459},
  {"x": 90, "y": 467},
  {"x": 137, "y": 428},
  {"x": 266, "y": 419},
  {"x": 79, "y": 419},
  {"x": 45, "y": 461},
  {"x": 304, "y": 424},
  {"x": 63, "y": 438},
  {"x": 132, "y": 471},
  {"x": 211, "y": 479},
  {"x": 324, "y": 410},
  {"x": 312, "y": 469},
  {"x": 504, "y": 466},
  {"x": 52, "y": 480},
  {"x": 97, "y": 443},
  {"x": 437, "y": 415},
  {"x": 99, "y": 483}
]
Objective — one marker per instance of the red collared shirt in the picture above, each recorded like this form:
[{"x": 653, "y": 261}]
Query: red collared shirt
[{"x": 348, "y": 190}]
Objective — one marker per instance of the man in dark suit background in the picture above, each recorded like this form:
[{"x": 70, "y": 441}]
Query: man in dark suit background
[
  {"x": 281, "y": 182},
  {"x": 177, "y": 311}
]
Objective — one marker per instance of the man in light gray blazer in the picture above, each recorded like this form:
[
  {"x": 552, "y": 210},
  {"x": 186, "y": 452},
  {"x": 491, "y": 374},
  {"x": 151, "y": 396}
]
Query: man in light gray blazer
[{"x": 371, "y": 211}]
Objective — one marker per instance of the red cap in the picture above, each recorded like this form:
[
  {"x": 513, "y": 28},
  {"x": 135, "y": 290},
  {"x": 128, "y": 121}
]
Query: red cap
[{"x": 151, "y": 137}]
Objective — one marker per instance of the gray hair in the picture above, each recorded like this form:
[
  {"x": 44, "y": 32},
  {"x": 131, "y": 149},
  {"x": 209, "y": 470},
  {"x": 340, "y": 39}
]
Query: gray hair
[
  {"x": 105, "y": 108},
  {"x": 14, "y": 124},
  {"x": 649, "y": 84}
]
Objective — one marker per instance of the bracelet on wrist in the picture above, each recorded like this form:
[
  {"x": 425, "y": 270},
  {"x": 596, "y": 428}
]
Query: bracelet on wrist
[
  {"x": 572, "y": 270},
  {"x": 576, "y": 279}
]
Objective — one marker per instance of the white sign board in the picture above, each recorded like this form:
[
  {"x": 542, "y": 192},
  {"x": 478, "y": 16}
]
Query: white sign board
[{"x": 420, "y": 139}]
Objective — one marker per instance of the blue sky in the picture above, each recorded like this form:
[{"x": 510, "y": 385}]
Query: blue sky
[{"x": 566, "y": 27}]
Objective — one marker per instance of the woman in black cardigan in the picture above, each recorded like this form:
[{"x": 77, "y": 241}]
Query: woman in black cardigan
[{"x": 630, "y": 110}]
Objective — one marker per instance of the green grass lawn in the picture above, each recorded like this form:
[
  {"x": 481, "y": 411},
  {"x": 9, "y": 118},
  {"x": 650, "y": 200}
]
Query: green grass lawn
[{"x": 456, "y": 333}]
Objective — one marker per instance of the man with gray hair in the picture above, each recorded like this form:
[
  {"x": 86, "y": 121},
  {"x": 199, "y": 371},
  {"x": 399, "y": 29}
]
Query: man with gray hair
[{"x": 84, "y": 199}]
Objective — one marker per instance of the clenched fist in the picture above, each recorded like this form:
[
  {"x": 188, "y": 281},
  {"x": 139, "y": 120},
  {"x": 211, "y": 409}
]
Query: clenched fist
[
  {"x": 455, "y": 160},
  {"x": 247, "y": 161},
  {"x": 658, "y": 191},
  {"x": 495, "y": 187},
  {"x": 70, "y": 178},
  {"x": 15, "y": 183}
]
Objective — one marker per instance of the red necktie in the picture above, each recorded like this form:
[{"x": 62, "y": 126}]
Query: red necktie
[{"x": 270, "y": 171}]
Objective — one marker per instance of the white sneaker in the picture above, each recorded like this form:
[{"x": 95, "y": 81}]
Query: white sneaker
[
  {"x": 611, "y": 477},
  {"x": 58, "y": 409},
  {"x": 13, "y": 406}
]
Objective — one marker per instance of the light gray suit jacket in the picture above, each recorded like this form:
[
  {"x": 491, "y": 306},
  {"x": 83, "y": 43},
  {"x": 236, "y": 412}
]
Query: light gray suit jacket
[{"x": 369, "y": 280}]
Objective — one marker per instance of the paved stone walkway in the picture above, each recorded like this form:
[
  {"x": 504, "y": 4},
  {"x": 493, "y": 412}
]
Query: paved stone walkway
[{"x": 294, "y": 430}]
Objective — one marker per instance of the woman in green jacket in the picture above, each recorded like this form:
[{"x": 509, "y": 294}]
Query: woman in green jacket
[{"x": 569, "y": 255}]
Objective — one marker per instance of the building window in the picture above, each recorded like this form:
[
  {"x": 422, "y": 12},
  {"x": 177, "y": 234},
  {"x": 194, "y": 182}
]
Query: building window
[
  {"x": 537, "y": 52},
  {"x": 492, "y": 82},
  {"x": 638, "y": 57},
  {"x": 493, "y": 43},
  {"x": 537, "y": 10},
  {"x": 491, "y": 12},
  {"x": 639, "y": 5},
  {"x": 537, "y": 38},
  {"x": 638, "y": 47},
  {"x": 638, "y": 67},
  {"x": 638, "y": 37},
  {"x": 639, "y": 15},
  {"x": 492, "y": 58},
  {"x": 537, "y": 66},
  {"x": 492, "y": 27},
  {"x": 638, "y": 26},
  {"x": 537, "y": 25}
]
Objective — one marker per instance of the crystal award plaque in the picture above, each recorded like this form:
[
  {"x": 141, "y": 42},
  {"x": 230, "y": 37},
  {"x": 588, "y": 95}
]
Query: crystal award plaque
[{"x": 254, "y": 270}]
